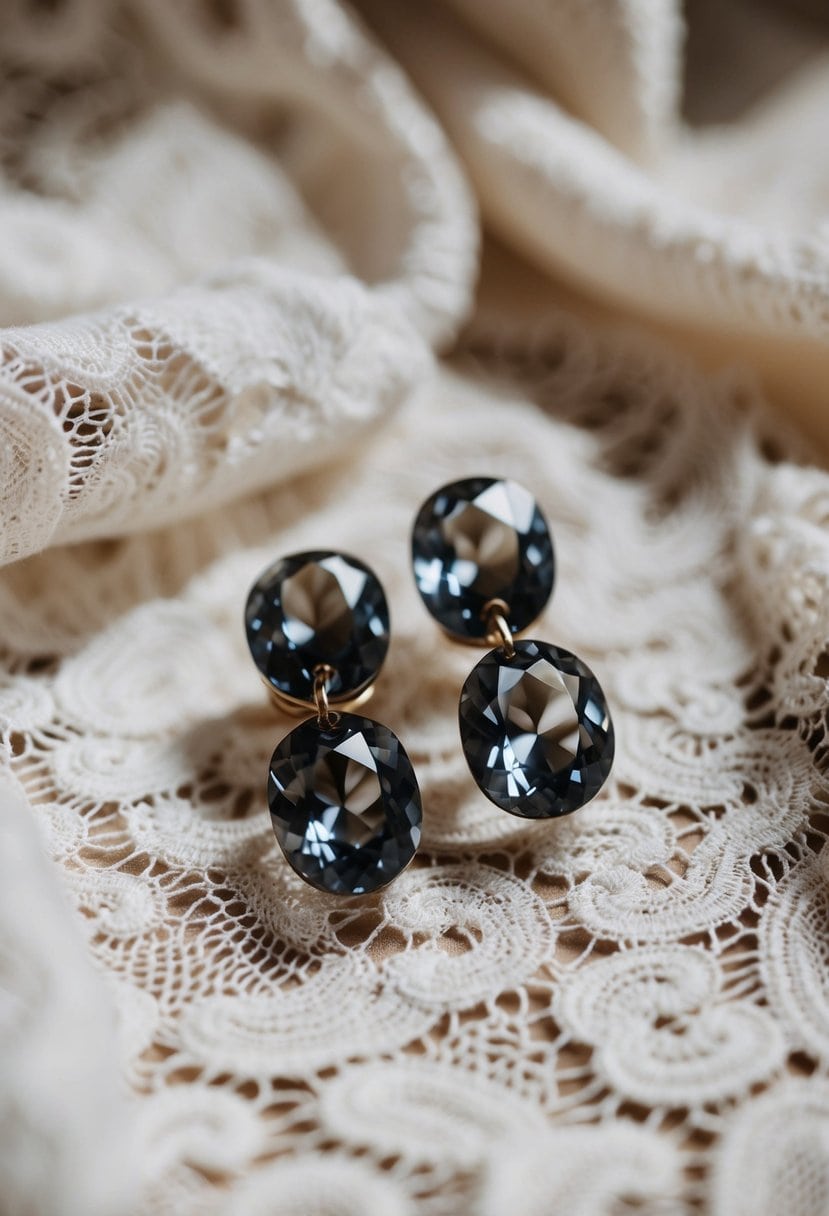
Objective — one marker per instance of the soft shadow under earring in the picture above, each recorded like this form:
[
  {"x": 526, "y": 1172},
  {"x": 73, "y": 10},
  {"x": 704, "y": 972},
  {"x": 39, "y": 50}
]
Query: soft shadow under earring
[
  {"x": 343, "y": 796},
  {"x": 534, "y": 723}
]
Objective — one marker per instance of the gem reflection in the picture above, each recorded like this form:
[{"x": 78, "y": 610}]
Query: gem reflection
[
  {"x": 478, "y": 540},
  {"x": 536, "y": 730},
  {"x": 313, "y": 609},
  {"x": 345, "y": 804}
]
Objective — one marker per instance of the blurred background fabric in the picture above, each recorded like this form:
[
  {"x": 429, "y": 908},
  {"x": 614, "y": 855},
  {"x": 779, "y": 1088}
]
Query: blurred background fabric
[{"x": 270, "y": 272}]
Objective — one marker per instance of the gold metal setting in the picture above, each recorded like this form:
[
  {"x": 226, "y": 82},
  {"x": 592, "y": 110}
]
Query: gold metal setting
[
  {"x": 495, "y": 613},
  {"x": 325, "y": 716},
  {"x": 298, "y": 708}
]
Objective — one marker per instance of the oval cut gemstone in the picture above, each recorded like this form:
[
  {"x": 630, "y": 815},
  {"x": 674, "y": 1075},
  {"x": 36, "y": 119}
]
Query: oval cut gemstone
[
  {"x": 478, "y": 540},
  {"x": 345, "y": 804},
  {"x": 317, "y": 608},
  {"x": 536, "y": 730}
]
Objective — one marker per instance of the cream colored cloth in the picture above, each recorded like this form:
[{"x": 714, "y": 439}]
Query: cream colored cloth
[{"x": 234, "y": 240}]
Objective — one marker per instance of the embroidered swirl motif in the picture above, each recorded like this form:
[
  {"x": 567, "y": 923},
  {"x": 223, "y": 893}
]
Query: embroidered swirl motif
[
  {"x": 661, "y": 1029},
  {"x": 120, "y": 681},
  {"x": 290, "y": 1023},
  {"x": 622, "y": 900},
  {"x": 208, "y": 1128},
  {"x": 796, "y": 953},
  {"x": 407, "y": 1108},
  {"x": 584, "y": 1170},
  {"x": 170, "y": 830},
  {"x": 324, "y": 1184},
  {"x": 501, "y": 933},
  {"x": 603, "y": 837},
  {"x": 25, "y": 704},
  {"x": 118, "y": 906},
  {"x": 773, "y": 1155}
]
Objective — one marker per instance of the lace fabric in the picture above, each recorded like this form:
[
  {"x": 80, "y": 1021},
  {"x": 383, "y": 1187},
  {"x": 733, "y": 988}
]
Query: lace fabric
[{"x": 625, "y": 1008}]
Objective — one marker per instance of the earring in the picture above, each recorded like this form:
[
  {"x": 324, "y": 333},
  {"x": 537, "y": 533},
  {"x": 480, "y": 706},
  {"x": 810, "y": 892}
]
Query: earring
[
  {"x": 343, "y": 796},
  {"x": 534, "y": 723}
]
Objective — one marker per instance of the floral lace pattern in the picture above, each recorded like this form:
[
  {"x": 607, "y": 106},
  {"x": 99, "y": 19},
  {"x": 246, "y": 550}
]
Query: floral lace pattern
[{"x": 528, "y": 999}]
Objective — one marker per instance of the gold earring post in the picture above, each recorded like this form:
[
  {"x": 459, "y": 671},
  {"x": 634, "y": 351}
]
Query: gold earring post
[
  {"x": 326, "y": 717},
  {"x": 498, "y": 631}
]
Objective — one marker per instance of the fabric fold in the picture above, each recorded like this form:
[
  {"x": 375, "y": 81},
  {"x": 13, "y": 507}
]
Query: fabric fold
[{"x": 148, "y": 413}]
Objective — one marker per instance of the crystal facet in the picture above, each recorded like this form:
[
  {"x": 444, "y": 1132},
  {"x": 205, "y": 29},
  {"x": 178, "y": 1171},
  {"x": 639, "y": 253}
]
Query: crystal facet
[
  {"x": 536, "y": 730},
  {"x": 478, "y": 540},
  {"x": 345, "y": 804},
  {"x": 317, "y": 608}
]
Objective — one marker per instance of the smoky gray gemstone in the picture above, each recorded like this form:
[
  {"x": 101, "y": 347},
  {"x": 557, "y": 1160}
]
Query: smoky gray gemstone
[
  {"x": 317, "y": 608},
  {"x": 478, "y": 540},
  {"x": 345, "y": 804},
  {"x": 536, "y": 730}
]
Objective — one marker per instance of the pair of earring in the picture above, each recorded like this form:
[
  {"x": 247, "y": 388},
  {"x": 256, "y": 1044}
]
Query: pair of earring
[{"x": 534, "y": 723}]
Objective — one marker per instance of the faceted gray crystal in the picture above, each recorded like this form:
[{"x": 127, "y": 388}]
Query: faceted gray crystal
[
  {"x": 345, "y": 804},
  {"x": 536, "y": 730},
  {"x": 478, "y": 540},
  {"x": 317, "y": 608}
]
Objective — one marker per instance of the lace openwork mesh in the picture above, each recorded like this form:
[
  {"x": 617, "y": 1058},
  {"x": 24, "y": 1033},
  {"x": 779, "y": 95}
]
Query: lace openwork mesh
[{"x": 622, "y": 1011}]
